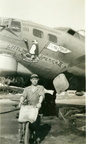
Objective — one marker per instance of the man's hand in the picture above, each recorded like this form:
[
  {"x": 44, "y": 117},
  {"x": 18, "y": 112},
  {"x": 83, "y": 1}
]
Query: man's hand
[{"x": 38, "y": 105}]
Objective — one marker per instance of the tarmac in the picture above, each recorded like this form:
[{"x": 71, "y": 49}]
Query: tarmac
[{"x": 52, "y": 129}]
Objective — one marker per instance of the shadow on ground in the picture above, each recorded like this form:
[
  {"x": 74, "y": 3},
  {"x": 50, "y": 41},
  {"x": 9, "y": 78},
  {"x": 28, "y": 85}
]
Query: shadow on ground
[{"x": 43, "y": 131}]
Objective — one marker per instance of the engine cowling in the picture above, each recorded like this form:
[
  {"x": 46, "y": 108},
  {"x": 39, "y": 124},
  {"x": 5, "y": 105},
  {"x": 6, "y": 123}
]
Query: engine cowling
[
  {"x": 8, "y": 65},
  {"x": 60, "y": 83}
]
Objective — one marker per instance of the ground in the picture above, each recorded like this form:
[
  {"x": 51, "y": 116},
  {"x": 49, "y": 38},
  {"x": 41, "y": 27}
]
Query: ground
[{"x": 52, "y": 130}]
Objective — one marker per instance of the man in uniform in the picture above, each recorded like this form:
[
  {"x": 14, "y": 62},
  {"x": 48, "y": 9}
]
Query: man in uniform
[{"x": 34, "y": 94}]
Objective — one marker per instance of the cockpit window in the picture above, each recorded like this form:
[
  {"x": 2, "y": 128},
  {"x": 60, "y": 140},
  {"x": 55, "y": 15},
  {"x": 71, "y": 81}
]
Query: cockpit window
[{"x": 16, "y": 25}]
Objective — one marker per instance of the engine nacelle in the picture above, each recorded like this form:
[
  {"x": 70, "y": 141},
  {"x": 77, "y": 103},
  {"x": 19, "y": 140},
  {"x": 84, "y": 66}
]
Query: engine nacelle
[
  {"x": 60, "y": 83},
  {"x": 8, "y": 65}
]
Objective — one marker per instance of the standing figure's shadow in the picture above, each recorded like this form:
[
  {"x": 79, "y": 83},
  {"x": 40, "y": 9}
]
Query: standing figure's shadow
[
  {"x": 43, "y": 131},
  {"x": 39, "y": 131}
]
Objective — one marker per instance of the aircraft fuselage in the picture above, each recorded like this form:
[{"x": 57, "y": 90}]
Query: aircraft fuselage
[{"x": 58, "y": 50}]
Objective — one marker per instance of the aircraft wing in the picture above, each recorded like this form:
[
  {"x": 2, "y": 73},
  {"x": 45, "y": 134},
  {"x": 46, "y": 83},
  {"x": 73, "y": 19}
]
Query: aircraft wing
[{"x": 70, "y": 98}]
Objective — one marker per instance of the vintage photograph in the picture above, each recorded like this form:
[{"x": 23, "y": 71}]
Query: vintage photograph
[{"x": 42, "y": 72}]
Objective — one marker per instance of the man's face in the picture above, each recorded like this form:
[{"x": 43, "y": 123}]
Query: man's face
[{"x": 34, "y": 81}]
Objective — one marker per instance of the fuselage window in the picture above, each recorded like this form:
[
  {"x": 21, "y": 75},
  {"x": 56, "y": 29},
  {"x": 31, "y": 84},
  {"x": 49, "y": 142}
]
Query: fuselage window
[
  {"x": 52, "y": 38},
  {"x": 16, "y": 25},
  {"x": 37, "y": 33},
  {"x": 70, "y": 31}
]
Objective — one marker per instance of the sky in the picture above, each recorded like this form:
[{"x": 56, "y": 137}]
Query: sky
[{"x": 52, "y": 13}]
